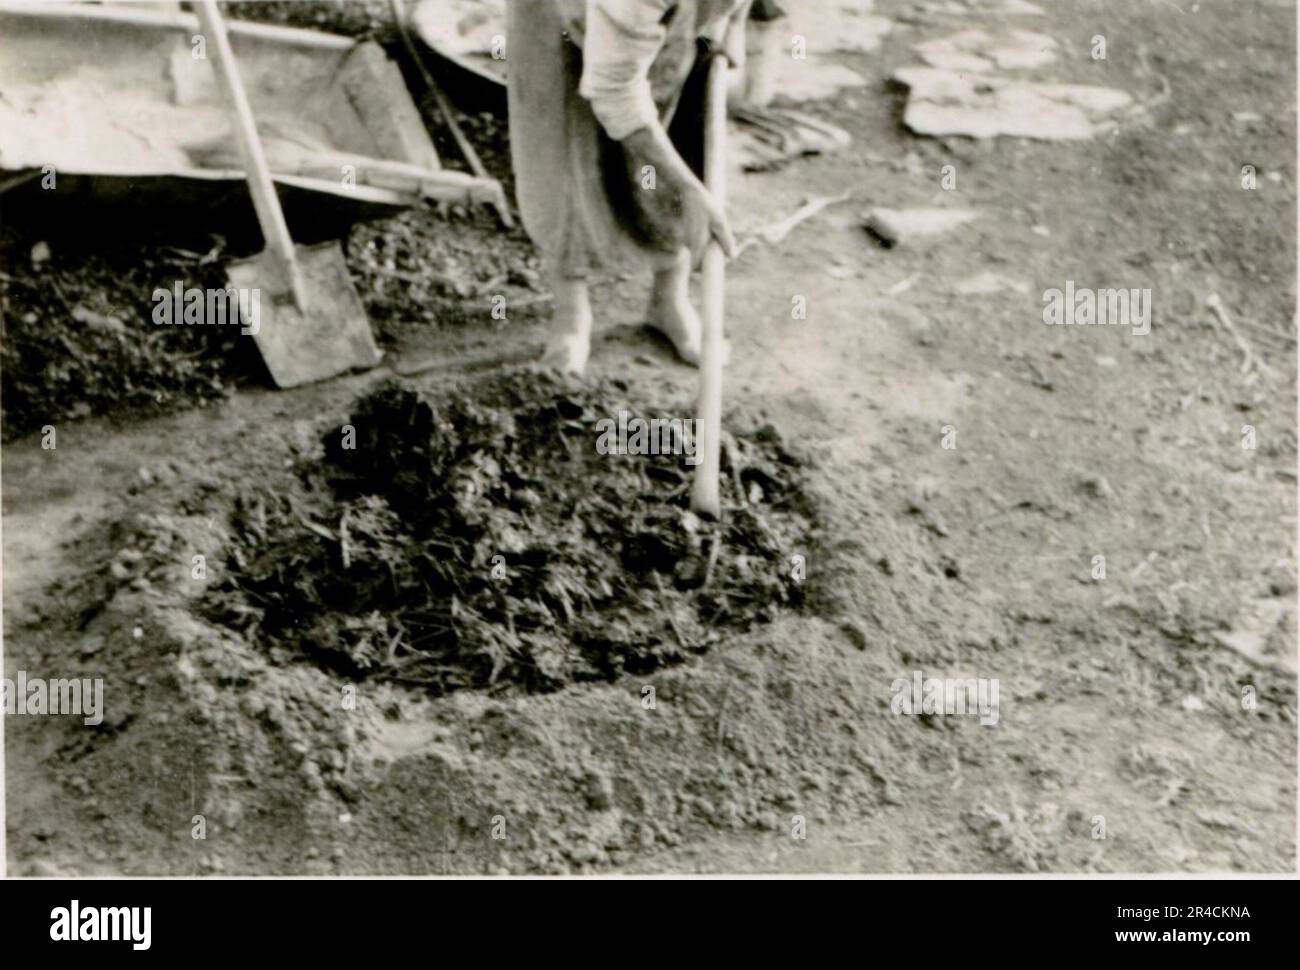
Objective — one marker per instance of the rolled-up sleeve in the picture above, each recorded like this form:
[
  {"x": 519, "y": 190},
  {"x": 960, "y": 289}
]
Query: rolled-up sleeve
[
  {"x": 725, "y": 28},
  {"x": 621, "y": 41}
]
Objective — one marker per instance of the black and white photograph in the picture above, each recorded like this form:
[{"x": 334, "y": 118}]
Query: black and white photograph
[{"x": 649, "y": 438}]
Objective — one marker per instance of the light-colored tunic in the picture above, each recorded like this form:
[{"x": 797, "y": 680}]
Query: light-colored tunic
[
  {"x": 620, "y": 41},
  {"x": 585, "y": 74}
]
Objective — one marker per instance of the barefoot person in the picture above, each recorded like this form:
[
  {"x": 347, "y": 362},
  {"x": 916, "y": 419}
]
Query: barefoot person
[{"x": 606, "y": 135}]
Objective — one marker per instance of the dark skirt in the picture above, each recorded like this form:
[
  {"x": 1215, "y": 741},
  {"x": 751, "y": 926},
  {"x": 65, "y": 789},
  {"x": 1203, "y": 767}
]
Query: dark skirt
[{"x": 585, "y": 199}]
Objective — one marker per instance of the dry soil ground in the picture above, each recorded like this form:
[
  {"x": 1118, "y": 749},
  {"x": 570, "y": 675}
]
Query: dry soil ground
[{"x": 1121, "y": 703}]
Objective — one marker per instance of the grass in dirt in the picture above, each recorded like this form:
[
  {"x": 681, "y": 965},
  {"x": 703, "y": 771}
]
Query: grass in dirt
[{"x": 477, "y": 538}]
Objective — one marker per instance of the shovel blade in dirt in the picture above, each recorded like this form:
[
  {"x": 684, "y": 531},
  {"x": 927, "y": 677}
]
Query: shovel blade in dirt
[
  {"x": 328, "y": 337},
  {"x": 310, "y": 323}
]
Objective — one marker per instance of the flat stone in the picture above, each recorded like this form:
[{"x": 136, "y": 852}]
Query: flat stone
[
  {"x": 897, "y": 227},
  {"x": 947, "y": 59},
  {"x": 946, "y": 103},
  {"x": 1022, "y": 8},
  {"x": 988, "y": 282},
  {"x": 980, "y": 52}
]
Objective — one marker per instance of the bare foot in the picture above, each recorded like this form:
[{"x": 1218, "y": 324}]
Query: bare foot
[
  {"x": 569, "y": 344},
  {"x": 567, "y": 353},
  {"x": 677, "y": 320}
]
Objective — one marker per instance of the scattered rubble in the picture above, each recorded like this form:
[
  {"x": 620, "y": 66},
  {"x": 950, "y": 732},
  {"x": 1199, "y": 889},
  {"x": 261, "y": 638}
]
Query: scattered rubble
[
  {"x": 966, "y": 90},
  {"x": 1259, "y": 621},
  {"x": 762, "y": 139}
]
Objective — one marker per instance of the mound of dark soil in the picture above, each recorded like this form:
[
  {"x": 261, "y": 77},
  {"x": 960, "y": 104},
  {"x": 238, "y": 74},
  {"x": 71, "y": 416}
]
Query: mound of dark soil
[
  {"x": 78, "y": 338},
  {"x": 477, "y": 537}
]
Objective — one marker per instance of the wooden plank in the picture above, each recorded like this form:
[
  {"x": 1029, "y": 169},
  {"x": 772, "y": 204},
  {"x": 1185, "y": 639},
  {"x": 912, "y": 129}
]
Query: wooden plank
[
  {"x": 369, "y": 80},
  {"x": 272, "y": 33}
]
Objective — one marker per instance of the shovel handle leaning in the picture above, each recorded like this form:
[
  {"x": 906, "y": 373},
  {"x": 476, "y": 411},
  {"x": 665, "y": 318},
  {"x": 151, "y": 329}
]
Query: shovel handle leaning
[
  {"x": 270, "y": 217},
  {"x": 704, "y": 489}
]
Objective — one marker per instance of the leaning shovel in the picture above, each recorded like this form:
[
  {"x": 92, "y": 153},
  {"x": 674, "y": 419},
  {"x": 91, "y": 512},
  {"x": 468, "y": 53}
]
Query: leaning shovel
[
  {"x": 704, "y": 491},
  {"x": 313, "y": 325}
]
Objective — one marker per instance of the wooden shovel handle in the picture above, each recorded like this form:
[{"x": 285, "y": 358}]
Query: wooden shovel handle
[
  {"x": 269, "y": 214},
  {"x": 705, "y": 498}
]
